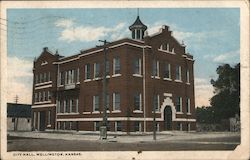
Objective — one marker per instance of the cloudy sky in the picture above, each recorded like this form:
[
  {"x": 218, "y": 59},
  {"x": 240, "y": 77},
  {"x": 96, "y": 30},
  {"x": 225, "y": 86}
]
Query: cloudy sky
[{"x": 212, "y": 36}]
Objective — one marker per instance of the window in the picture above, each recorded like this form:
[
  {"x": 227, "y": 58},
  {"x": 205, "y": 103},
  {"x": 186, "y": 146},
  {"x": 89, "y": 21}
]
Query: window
[
  {"x": 71, "y": 105},
  {"x": 78, "y": 75},
  {"x": 117, "y": 65},
  {"x": 87, "y": 71},
  {"x": 155, "y": 68},
  {"x": 107, "y": 68},
  {"x": 138, "y": 34},
  {"x": 40, "y": 97},
  {"x": 137, "y": 101},
  {"x": 61, "y": 79},
  {"x": 133, "y": 34},
  {"x": 178, "y": 73},
  {"x": 97, "y": 126},
  {"x": 96, "y": 103},
  {"x": 178, "y": 104},
  {"x": 49, "y": 95},
  {"x": 58, "y": 106},
  {"x": 137, "y": 66},
  {"x": 66, "y": 78},
  {"x": 66, "y": 106},
  {"x": 77, "y": 105},
  {"x": 41, "y": 78},
  {"x": 36, "y": 97},
  {"x": 188, "y": 105},
  {"x": 118, "y": 126},
  {"x": 137, "y": 126},
  {"x": 96, "y": 70},
  {"x": 49, "y": 117},
  {"x": 167, "y": 71},
  {"x": 179, "y": 126},
  {"x": 45, "y": 96},
  {"x": 158, "y": 126},
  {"x": 37, "y": 80},
  {"x": 13, "y": 120},
  {"x": 188, "y": 126},
  {"x": 116, "y": 101},
  {"x": 165, "y": 47},
  {"x": 62, "y": 106},
  {"x": 44, "y": 77},
  {"x": 187, "y": 75},
  {"x": 49, "y": 78},
  {"x": 156, "y": 102},
  {"x": 28, "y": 120}
]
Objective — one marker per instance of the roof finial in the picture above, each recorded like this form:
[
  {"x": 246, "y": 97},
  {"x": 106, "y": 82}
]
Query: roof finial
[{"x": 137, "y": 12}]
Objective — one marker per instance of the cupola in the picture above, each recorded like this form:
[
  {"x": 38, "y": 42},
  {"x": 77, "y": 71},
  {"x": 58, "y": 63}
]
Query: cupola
[{"x": 137, "y": 29}]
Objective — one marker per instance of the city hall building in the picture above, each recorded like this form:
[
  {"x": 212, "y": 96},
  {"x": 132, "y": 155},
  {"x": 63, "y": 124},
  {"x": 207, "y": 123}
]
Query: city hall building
[{"x": 149, "y": 77}]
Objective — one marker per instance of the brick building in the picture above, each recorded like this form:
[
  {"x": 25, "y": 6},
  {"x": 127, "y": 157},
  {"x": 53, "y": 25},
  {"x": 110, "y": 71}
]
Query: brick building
[{"x": 143, "y": 72}]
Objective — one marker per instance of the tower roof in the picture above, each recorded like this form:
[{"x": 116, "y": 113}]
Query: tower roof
[{"x": 138, "y": 24}]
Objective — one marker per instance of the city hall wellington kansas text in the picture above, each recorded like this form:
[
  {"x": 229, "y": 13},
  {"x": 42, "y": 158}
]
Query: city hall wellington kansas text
[{"x": 143, "y": 73}]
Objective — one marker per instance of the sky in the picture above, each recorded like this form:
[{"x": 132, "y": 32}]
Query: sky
[{"x": 212, "y": 36}]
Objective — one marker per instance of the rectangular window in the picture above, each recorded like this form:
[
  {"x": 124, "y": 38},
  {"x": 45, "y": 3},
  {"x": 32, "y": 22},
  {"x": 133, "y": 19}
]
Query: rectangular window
[
  {"x": 49, "y": 117},
  {"x": 61, "y": 80},
  {"x": 97, "y": 126},
  {"x": 66, "y": 77},
  {"x": 137, "y": 102},
  {"x": 167, "y": 71},
  {"x": 178, "y": 104},
  {"x": 95, "y": 103},
  {"x": 44, "y": 77},
  {"x": 37, "y": 80},
  {"x": 155, "y": 68},
  {"x": 87, "y": 71},
  {"x": 179, "y": 126},
  {"x": 77, "y": 105},
  {"x": 118, "y": 126},
  {"x": 156, "y": 102},
  {"x": 49, "y": 78},
  {"x": 137, "y": 66},
  {"x": 178, "y": 73},
  {"x": 138, "y": 34},
  {"x": 13, "y": 120},
  {"x": 187, "y": 75},
  {"x": 36, "y": 97},
  {"x": 63, "y": 106},
  {"x": 137, "y": 126},
  {"x": 41, "y": 78},
  {"x": 78, "y": 75},
  {"x": 49, "y": 95},
  {"x": 40, "y": 97},
  {"x": 188, "y": 105},
  {"x": 45, "y": 96},
  {"x": 116, "y": 101},
  {"x": 107, "y": 68},
  {"x": 66, "y": 106},
  {"x": 71, "y": 105},
  {"x": 117, "y": 65},
  {"x": 133, "y": 34},
  {"x": 96, "y": 70},
  {"x": 58, "y": 106}
]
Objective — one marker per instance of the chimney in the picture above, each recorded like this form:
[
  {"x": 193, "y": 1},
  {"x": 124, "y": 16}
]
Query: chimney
[{"x": 45, "y": 49}]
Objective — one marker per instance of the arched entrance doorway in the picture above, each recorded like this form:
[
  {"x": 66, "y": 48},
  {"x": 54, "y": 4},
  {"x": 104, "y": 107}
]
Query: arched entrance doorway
[{"x": 168, "y": 118}]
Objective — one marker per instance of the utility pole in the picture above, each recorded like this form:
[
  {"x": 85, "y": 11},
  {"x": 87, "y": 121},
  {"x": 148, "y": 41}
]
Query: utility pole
[{"x": 103, "y": 128}]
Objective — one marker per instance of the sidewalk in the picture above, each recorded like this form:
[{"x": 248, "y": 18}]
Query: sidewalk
[{"x": 123, "y": 138}]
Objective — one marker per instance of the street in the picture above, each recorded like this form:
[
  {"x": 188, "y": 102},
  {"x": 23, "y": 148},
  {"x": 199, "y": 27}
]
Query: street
[{"x": 165, "y": 142}]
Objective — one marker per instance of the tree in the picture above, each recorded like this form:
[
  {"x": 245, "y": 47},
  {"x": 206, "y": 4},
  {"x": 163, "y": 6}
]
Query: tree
[
  {"x": 226, "y": 101},
  {"x": 205, "y": 115}
]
